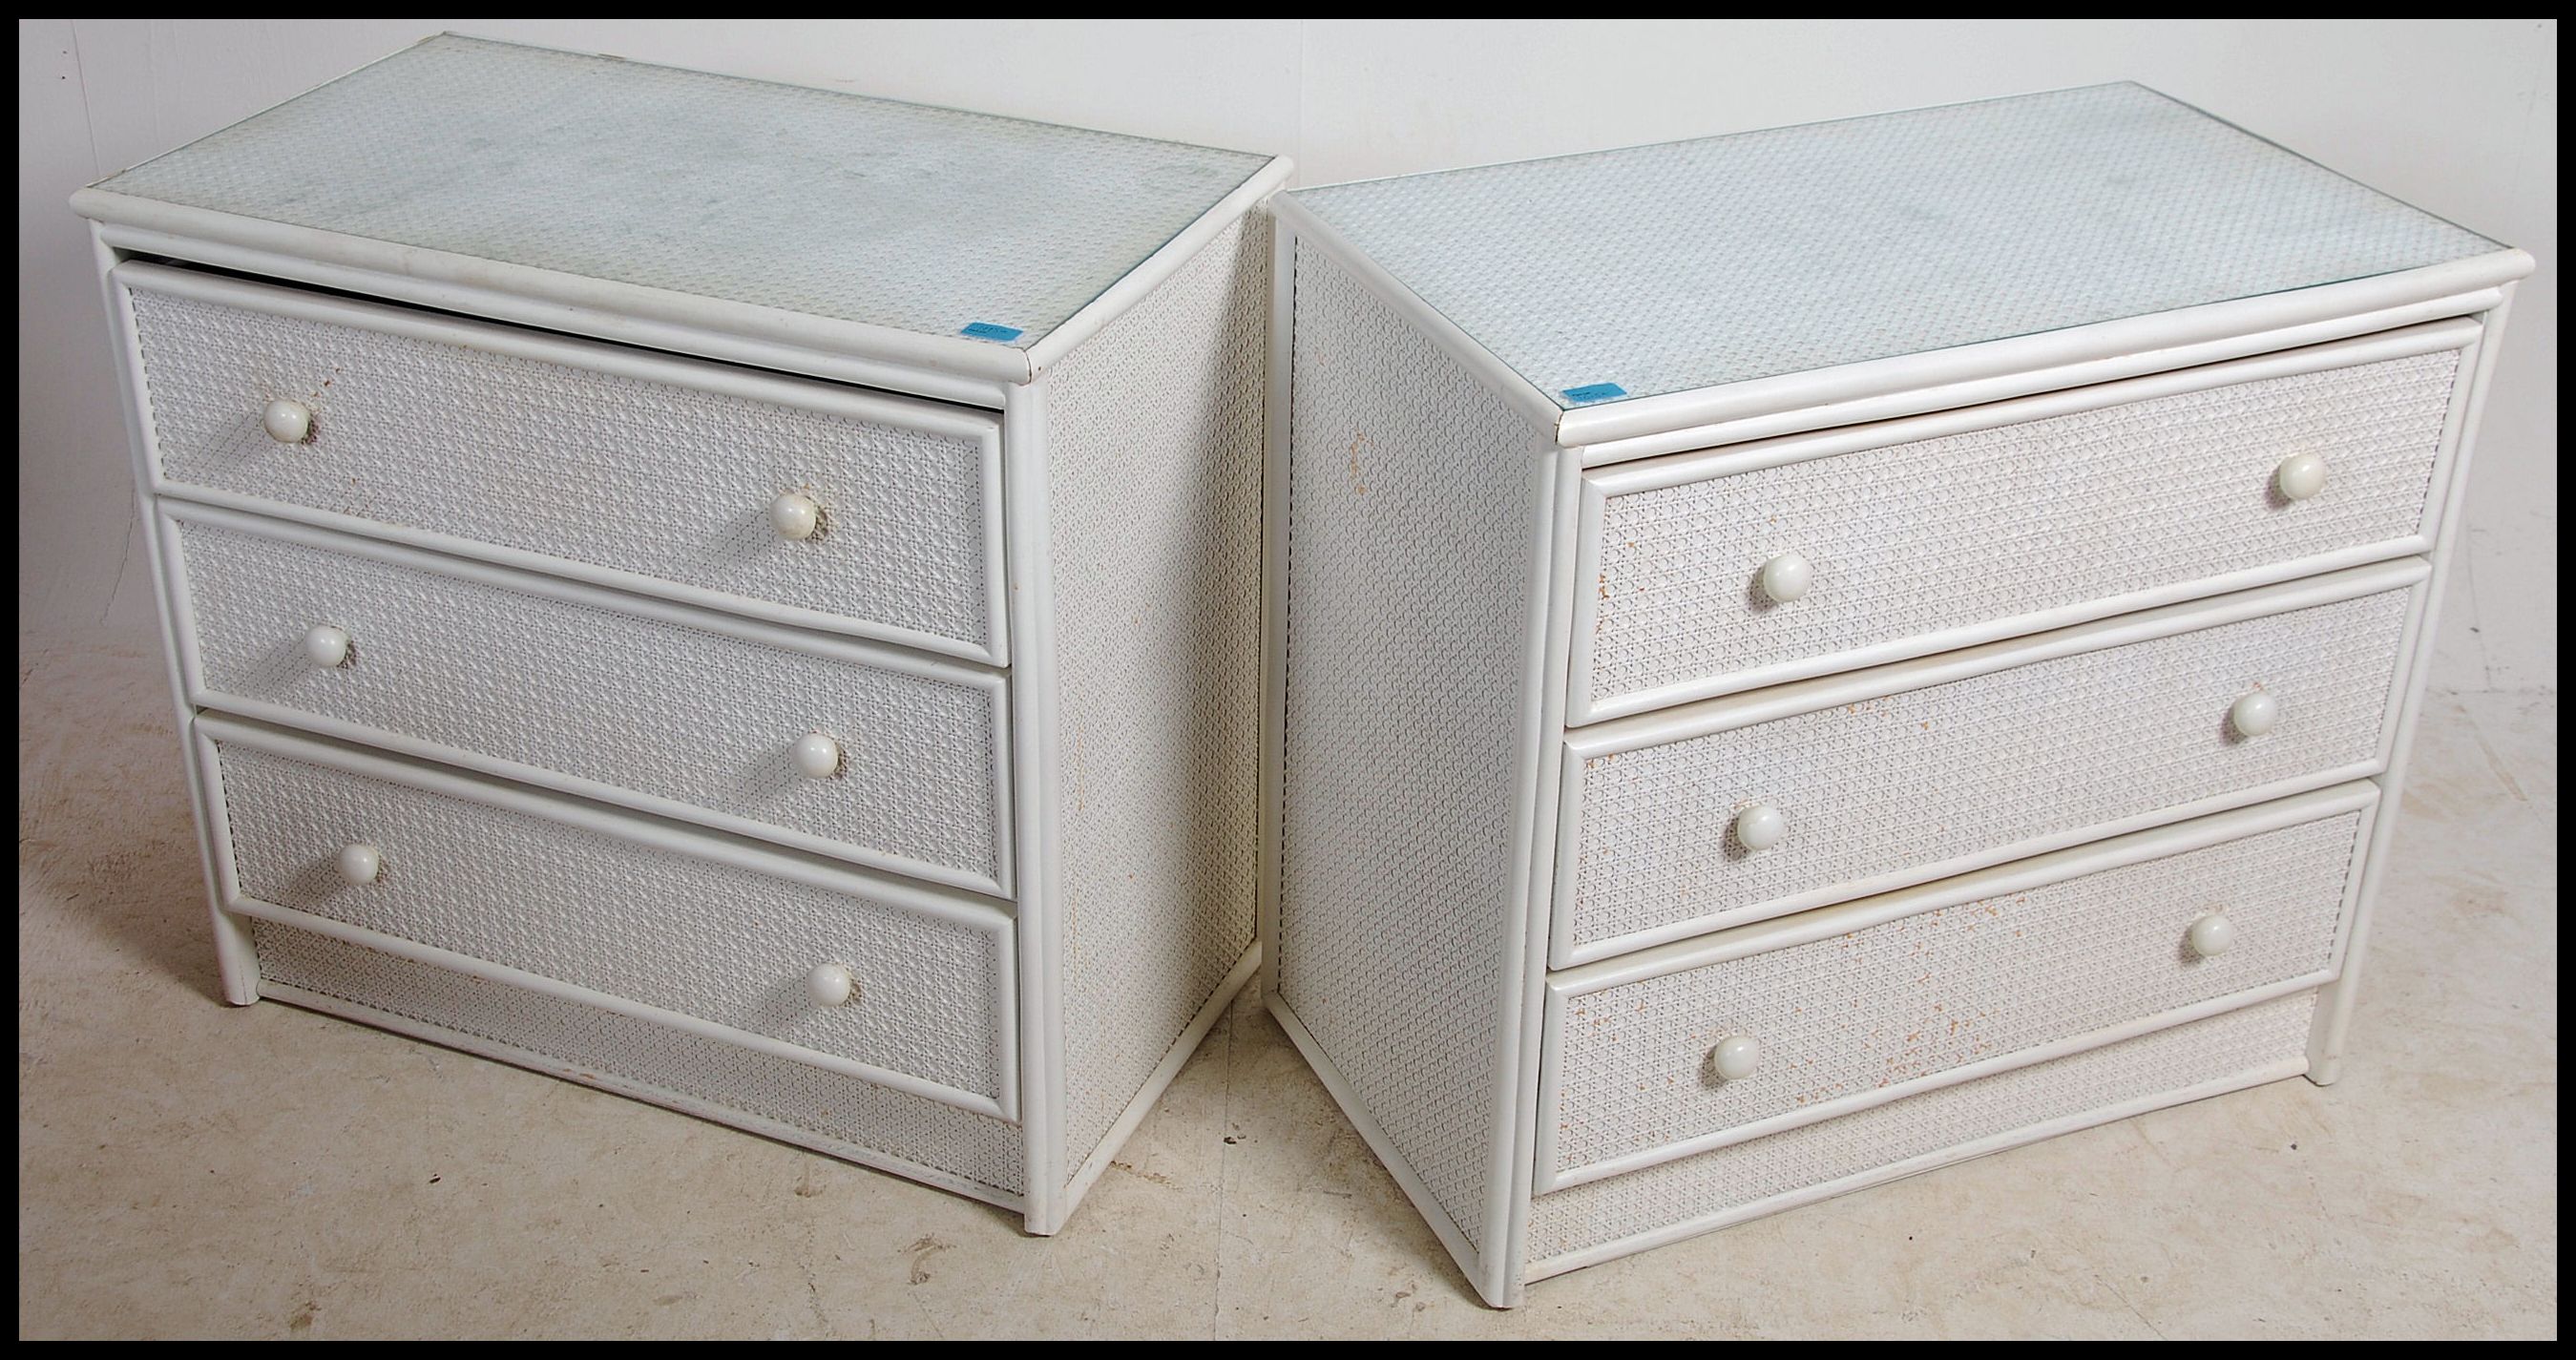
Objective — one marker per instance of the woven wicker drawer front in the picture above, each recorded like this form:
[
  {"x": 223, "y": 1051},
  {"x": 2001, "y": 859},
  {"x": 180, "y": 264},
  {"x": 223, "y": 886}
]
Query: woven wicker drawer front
[
  {"x": 2239, "y": 1048},
  {"x": 1921, "y": 783},
  {"x": 564, "y": 688},
  {"x": 702, "y": 1075},
  {"x": 659, "y": 481},
  {"x": 1848, "y": 1016},
  {"x": 1911, "y": 541},
  {"x": 721, "y": 942}
]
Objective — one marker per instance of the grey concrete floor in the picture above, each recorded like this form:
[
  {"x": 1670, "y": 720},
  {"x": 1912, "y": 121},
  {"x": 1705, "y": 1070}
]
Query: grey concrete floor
[{"x": 189, "y": 1169}]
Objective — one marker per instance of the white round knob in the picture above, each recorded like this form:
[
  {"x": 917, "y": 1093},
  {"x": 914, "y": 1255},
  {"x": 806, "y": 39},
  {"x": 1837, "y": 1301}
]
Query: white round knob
[
  {"x": 2300, "y": 476},
  {"x": 1736, "y": 1056},
  {"x": 830, "y": 984},
  {"x": 795, "y": 516},
  {"x": 361, "y": 862},
  {"x": 1760, "y": 827},
  {"x": 2210, "y": 936},
  {"x": 287, "y": 422},
  {"x": 326, "y": 646},
  {"x": 817, "y": 756},
  {"x": 1786, "y": 577},
  {"x": 2254, "y": 713}
]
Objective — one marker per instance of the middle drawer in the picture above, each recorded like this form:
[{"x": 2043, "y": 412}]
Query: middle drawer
[
  {"x": 683, "y": 712},
  {"x": 1739, "y": 809}
]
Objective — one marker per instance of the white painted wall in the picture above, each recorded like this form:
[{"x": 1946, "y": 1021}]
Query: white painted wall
[{"x": 2459, "y": 118}]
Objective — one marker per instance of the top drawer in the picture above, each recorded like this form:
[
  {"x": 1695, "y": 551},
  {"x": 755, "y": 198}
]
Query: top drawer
[
  {"x": 1942, "y": 531},
  {"x": 614, "y": 465}
]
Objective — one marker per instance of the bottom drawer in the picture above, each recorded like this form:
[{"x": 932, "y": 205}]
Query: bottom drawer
[
  {"x": 778, "y": 1097},
  {"x": 667, "y": 923},
  {"x": 1677, "y": 1050},
  {"x": 1590, "y": 1223}
]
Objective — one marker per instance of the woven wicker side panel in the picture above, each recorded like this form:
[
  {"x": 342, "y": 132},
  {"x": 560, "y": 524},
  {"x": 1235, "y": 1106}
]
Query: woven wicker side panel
[
  {"x": 1410, "y": 551},
  {"x": 1154, "y": 431},
  {"x": 676, "y": 712},
  {"x": 1941, "y": 989},
  {"x": 985, "y": 1151},
  {"x": 1964, "y": 768},
  {"x": 660, "y": 926},
  {"x": 2169, "y": 1060},
  {"x": 1994, "y": 524},
  {"x": 616, "y": 472}
]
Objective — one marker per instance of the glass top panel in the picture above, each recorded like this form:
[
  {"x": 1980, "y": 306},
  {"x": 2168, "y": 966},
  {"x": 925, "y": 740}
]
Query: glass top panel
[
  {"x": 902, "y": 215},
  {"x": 1657, "y": 269}
]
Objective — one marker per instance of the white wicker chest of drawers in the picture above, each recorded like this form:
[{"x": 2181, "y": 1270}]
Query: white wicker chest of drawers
[
  {"x": 1801, "y": 657},
  {"x": 742, "y": 595}
]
